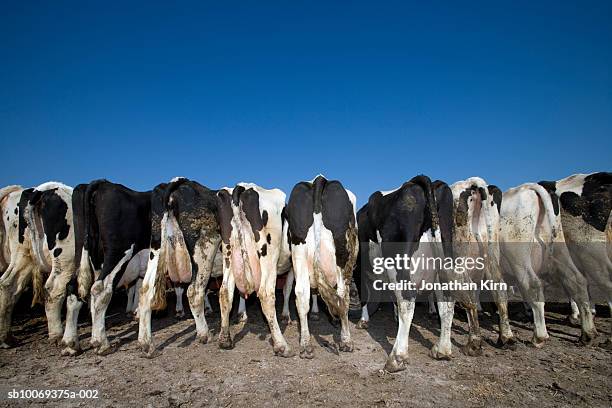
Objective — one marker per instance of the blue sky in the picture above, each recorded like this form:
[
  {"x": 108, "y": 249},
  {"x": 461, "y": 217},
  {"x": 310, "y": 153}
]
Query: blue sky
[{"x": 367, "y": 93}]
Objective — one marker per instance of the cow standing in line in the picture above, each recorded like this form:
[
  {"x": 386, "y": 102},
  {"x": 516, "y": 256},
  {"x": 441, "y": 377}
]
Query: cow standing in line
[
  {"x": 41, "y": 241},
  {"x": 323, "y": 242},
  {"x": 586, "y": 207},
  {"x": 534, "y": 253},
  {"x": 113, "y": 229},
  {"x": 476, "y": 235},
  {"x": 251, "y": 226},
  {"x": 184, "y": 240}
]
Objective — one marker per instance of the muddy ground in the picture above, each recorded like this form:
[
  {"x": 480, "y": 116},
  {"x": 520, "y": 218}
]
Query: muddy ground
[{"x": 187, "y": 373}]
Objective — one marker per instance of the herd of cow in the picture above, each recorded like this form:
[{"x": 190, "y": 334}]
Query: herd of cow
[{"x": 81, "y": 244}]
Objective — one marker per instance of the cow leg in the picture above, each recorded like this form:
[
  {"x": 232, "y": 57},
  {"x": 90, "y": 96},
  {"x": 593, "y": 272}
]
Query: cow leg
[
  {"x": 12, "y": 284},
  {"x": 365, "y": 318},
  {"x": 267, "y": 298},
  {"x": 242, "y": 313},
  {"x": 145, "y": 302},
  {"x": 179, "y": 309},
  {"x": 207, "y": 306},
  {"x": 226, "y": 298},
  {"x": 204, "y": 256},
  {"x": 431, "y": 303},
  {"x": 346, "y": 344},
  {"x": 71, "y": 335},
  {"x": 506, "y": 338},
  {"x": 574, "y": 317},
  {"x": 302, "y": 298},
  {"x": 398, "y": 356},
  {"x": 129, "y": 308},
  {"x": 314, "y": 309},
  {"x": 101, "y": 293},
  {"x": 55, "y": 294},
  {"x": 137, "y": 287},
  {"x": 443, "y": 350},
  {"x": 474, "y": 344},
  {"x": 286, "y": 316}
]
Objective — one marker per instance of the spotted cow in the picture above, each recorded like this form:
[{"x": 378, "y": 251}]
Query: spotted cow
[
  {"x": 184, "y": 240},
  {"x": 323, "y": 242},
  {"x": 41, "y": 239},
  {"x": 535, "y": 255}
]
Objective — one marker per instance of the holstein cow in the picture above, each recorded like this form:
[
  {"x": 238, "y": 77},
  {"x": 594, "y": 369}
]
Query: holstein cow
[
  {"x": 9, "y": 222},
  {"x": 113, "y": 228},
  {"x": 415, "y": 220},
  {"x": 534, "y": 253},
  {"x": 476, "y": 235},
  {"x": 184, "y": 241},
  {"x": 586, "y": 204},
  {"x": 252, "y": 240},
  {"x": 323, "y": 242},
  {"x": 41, "y": 239}
]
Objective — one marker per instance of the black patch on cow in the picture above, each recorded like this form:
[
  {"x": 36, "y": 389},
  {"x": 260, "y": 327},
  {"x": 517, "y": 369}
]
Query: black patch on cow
[
  {"x": 250, "y": 206},
  {"x": 224, "y": 215},
  {"x": 264, "y": 217},
  {"x": 299, "y": 212},
  {"x": 227, "y": 262},
  {"x": 497, "y": 196},
  {"x": 157, "y": 213},
  {"x": 53, "y": 210},
  {"x": 264, "y": 250},
  {"x": 461, "y": 211},
  {"x": 444, "y": 202},
  {"x": 78, "y": 221},
  {"x": 57, "y": 252},
  {"x": 551, "y": 188},
  {"x": 268, "y": 239},
  {"x": 483, "y": 193},
  {"x": 236, "y": 195},
  {"x": 23, "y": 202},
  {"x": 16, "y": 210},
  {"x": 595, "y": 203}
]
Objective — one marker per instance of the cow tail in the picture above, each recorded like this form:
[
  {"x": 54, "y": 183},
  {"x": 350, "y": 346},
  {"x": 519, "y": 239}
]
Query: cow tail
[
  {"x": 159, "y": 295},
  {"x": 425, "y": 183},
  {"x": 548, "y": 206},
  {"x": 4, "y": 192},
  {"x": 90, "y": 240},
  {"x": 38, "y": 286}
]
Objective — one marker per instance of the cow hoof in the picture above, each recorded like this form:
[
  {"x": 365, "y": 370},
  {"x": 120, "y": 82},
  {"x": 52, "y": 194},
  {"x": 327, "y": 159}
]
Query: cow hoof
[
  {"x": 395, "y": 364},
  {"x": 283, "y": 351},
  {"x": 587, "y": 338},
  {"x": 473, "y": 348},
  {"x": 94, "y": 343},
  {"x": 208, "y": 311},
  {"x": 135, "y": 317},
  {"x": 573, "y": 320},
  {"x": 346, "y": 347},
  {"x": 147, "y": 349},
  {"x": 4, "y": 345},
  {"x": 307, "y": 352},
  {"x": 202, "y": 338},
  {"x": 69, "y": 352},
  {"x": 55, "y": 340},
  {"x": 438, "y": 354},
  {"x": 104, "y": 350},
  {"x": 506, "y": 343},
  {"x": 179, "y": 315},
  {"x": 538, "y": 342},
  {"x": 315, "y": 317},
  {"x": 72, "y": 343},
  {"x": 285, "y": 319},
  {"x": 607, "y": 344},
  {"x": 242, "y": 317},
  {"x": 362, "y": 324},
  {"x": 225, "y": 342}
]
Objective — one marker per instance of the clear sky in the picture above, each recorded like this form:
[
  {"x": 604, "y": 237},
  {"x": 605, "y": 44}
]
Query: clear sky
[{"x": 277, "y": 92}]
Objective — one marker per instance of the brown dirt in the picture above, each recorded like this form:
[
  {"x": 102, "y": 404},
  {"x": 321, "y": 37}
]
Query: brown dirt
[{"x": 187, "y": 373}]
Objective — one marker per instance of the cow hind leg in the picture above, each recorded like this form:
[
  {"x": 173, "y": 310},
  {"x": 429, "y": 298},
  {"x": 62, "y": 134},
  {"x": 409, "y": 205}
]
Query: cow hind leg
[
  {"x": 12, "y": 285},
  {"x": 302, "y": 301},
  {"x": 314, "y": 309},
  {"x": 179, "y": 309},
  {"x": 285, "y": 315},
  {"x": 71, "y": 336},
  {"x": 267, "y": 298},
  {"x": 443, "y": 349},
  {"x": 399, "y": 355},
  {"x": 226, "y": 298},
  {"x": 204, "y": 257},
  {"x": 242, "y": 313},
  {"x": 145, "y": 304}
]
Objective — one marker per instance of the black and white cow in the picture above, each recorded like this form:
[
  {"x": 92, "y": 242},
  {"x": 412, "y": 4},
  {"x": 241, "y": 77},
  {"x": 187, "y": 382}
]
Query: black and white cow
[
  {"x": 184, "y": 240},
  {"x": 476, "y": 235},
  {"x": 252, "y": 236},
  {"x": 113, "y": 229},
  {"x": 415, "y": 220},
  {"x": 41, "y": 239},
  {"x": 323, "y": 242},
  {"x": 586, "y": 205},
  {"x": 534, "y": 253},
  {"x": 9, "y": 222}
]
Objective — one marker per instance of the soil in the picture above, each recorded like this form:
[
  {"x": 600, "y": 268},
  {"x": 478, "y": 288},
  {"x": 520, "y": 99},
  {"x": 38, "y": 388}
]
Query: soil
[{"x": 187, "y": 373}]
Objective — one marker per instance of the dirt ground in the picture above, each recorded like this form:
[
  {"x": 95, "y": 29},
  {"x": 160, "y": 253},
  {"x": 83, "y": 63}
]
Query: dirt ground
[{"x": 187, "y": 373}]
